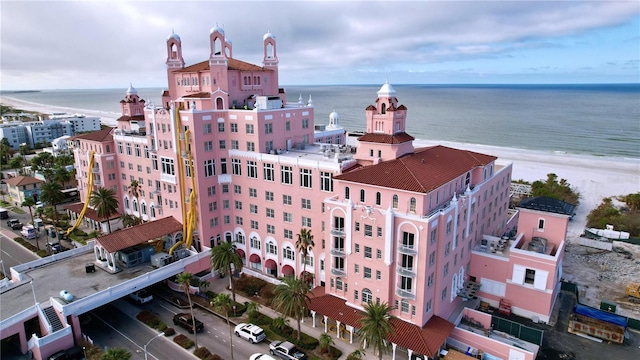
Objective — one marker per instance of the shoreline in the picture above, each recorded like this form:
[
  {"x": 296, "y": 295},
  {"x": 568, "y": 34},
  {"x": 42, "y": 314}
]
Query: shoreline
[{"x": 595, "y": 177}]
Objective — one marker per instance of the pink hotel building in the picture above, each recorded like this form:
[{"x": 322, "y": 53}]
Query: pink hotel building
[{"x": 415, "y": 228}]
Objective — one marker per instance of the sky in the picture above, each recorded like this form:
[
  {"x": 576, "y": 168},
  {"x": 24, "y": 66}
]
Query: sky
[{"x": 95, "y": 44}]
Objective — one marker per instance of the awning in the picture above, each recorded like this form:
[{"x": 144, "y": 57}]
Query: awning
[
  {"x": 287, "y": 270},
  {"x": 270, "y": 264},
  {"x": 254, "y": 258},
  {"x": 240, "y": 253}
]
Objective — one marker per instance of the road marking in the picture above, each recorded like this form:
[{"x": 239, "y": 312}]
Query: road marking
[
  {"x": 166, "y": 308},
  {"x": 123, "y": 335}
]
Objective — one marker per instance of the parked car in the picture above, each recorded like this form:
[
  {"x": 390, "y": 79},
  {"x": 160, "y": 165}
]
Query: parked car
[
  {"x": 39, "y": 205},
  {"x": 14, "y": 224},
  {"x": 259, "y": 356},
  {"x": 286, "y": 350},
  {"x": 253, "y": 333},
  {"x": 184, "y": 320},
  {"x": 141, "y": 296},
  {"x": 55, "y": 248}
]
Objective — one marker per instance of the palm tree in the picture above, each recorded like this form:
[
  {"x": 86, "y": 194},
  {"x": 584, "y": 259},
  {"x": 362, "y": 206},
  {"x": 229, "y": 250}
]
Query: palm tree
[
  {"x": 223, "y": 256},
  {"x": 105, "y": 203},
  {"x": 134, "y": 190},
  {"x": 51, "y": 193},
  {"x": 325, "y": 341},
  {"x": 291, "y": 298},
  {"x": 304, "y": 244},
  {"x": 116, "y": 354},
  {"x": 253, "y": 308},
  {"x": 223, "y": 303},
  {"x": 376, "y": 327},
  {"x": 184, "y": 279},
  {"x": 29, "y": 202},
  {"x": 280, "y": 323},
  {"x": 129, "y": 220},
  {"x": 61, "y": 175}
]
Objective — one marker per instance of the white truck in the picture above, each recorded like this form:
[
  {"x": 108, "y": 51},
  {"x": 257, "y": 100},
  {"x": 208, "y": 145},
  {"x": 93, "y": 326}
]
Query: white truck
[
  {"x": 29, "y": 232},
  {"x": 286, "y": 350}
]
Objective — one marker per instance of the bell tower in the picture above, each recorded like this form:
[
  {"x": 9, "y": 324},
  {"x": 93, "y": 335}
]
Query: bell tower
[{"x": 174, "y": 60}]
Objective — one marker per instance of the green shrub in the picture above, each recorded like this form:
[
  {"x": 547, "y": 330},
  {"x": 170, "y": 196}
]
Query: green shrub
[
  {"x": 259, "y": 319},
  {"x": 183, "y": 341},
  {"x": 306, "y": 342}
]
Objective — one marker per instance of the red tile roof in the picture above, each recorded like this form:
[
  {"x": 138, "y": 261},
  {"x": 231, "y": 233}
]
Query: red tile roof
[
  {"x": 426, "y": 340},
  {"x": 90, "y": 213},
  {"x": 233, "y": 64},
  {"x": 398, "y": 138},
  {"x": 129, "y": 118},
  {"x": 23, "y": 180},
  {"x": 200, "y": 95},
  {"x": 424, "y": 170},
  {"x": 99, "y": 136},
  {"x": 139, "y": 234}
]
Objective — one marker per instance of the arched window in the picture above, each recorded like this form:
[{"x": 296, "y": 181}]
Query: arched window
[
  {"x": 454, "y": 286},
  {"x": 467, "y": 180},
  {"x": 412, "y": 205},
  {"x": 361, "y": 195},
  {"x": 143, "y": 208},
  {"x": 153, "y": 211},
  {"x": 378, "y": 198},
  {"x": 126, "y": 203},
  {"x": 367, "y": 296},
  {"x": 240, "y": 238},
  {"x": 395, "y": 201},
  {"x": 288, "y": 253},
  {"x": 135, "y": 205},
  {"x": 339, "y": 283},
  {"x": 383, "y": 109},
  {"x": 346, "y": 192}
]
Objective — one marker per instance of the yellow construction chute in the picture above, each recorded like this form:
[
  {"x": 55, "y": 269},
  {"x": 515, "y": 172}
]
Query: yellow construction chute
[
  {"x": 87, "y": 198},
  {"x": 189, "y": 217}
]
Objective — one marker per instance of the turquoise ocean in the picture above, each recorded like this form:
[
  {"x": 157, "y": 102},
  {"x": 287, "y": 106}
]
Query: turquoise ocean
[{"x": 593, "y": 119}]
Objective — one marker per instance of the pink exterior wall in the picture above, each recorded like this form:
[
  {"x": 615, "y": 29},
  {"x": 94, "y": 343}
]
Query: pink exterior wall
[{"x": 488, "y": 345}]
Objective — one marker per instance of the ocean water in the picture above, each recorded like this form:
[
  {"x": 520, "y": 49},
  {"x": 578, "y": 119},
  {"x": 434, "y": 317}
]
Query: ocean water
[{"x": 599, "y": 119}]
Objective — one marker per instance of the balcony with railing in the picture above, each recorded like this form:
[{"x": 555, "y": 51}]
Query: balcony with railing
[
  {"x": 405, "y": 293},
  {"x": 96, "y": 170},
  {"x": 97, "y": 182},
  {"x": 408, "y": 249},
  {"x": 405, "y": 271},
  {"x": 338, "y": 231},
  {"x": 338, "y": 272},
  {"x": 168, "y": 178},
  {"x": 338, "y": 251}
]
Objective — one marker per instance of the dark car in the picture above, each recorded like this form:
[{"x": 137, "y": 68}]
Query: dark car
[
  {"x": 14, "y": 224},
  {"x": 55, "y": 248},
  {"x": 184, "y": 320}
]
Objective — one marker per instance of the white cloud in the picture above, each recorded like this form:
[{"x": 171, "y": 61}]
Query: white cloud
[{"x": 104, "y": 44}]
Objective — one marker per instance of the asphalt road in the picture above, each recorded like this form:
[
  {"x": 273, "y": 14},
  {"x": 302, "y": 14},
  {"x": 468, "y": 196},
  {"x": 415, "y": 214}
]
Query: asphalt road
[
  {"x": 12, "y": 253},
  {"x": 114, "y": 325}
]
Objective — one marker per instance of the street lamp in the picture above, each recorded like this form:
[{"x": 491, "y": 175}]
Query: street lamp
[{"x": 145, "y": 345}]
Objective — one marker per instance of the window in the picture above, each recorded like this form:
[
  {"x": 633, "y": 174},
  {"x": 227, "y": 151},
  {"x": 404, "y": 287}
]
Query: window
[
  {"x": 119, "y": 148},
  {"x": 128, "y": 149},
  {"x": 356, "y": 268},
  {"x": 432, "y": 258},
  {"x": 268, "y": 128},
  {"x": 357, "y": 248},
  {"x": 368, "y": 230},
  {"x": 251, "y": 146},
  {"x": 220, "y": 127},
  {"x": 240, "y": 238},
  {"x": 167, "y": 166},
  {"x": 406, "y": 283},
  {"x": 430, "y": 279},
  {"x": 346, "y": 192},
  {"x": 288, "y": 253},
  {"x": 226, "y": 219},
  {"x": 239, "y": 220},
  {"x": 433, "y": 235},
  {"x": 236, "y": 167},
  {"x": 286, "y": 199},
  {"x": 252, "y": 169},
  {"x": 428, "y": 307},
  {"x": 254, "y": 224},
  {"x": 268, "y": 195},
  {"x": 362, "y": 195},
  {"x": 408, "y": 240},
  {"x": 447, "y": 248},
  {"x": 444, "y": 294},
  {"x": 137, "y": 150},
  {"x": 395, "y": 201},
  {"x": 367, "y": 296},
  {"x": 208, "y": 146},
  {"x": 378, "y": 198},
  {"x": 233, "y": 127},
  {"x": 379, "y": 233},
  {"x": 154, "y": 162},
  {"x": 222, "y": 144},
  {"x": 249, "y": 128},
  {"x": 234, "y": 144},
  {"x": 339, "y": 283},
  {"x": 238, "y": 205},
  {"x": 225, "y": 204},
  {"x": 305, "y": 178},
  {"x": 540, "y": 224},
  {"x": 326, "y": 181},
  {"x": 287, "y": 217},
  {"x": 209, "y": 168},
  {"x": 211, "y": 190},
  {"x": 367, "y": 273},
  {"x": 253, "y": 208},
  {"x": 286, "y": 174},
  {"x": 378, "y": 275},
  {"x": 529, "y": 276},
  {"x": 445, "y": 271},
  {"x": 268, "y": 172},
  {"x": 306, "y": 204},
  {"x": 272, "y": 248},
  {"x": 404, "y": 306},
  {"x": 305, "y": 123},
  {"x": 287, "y": 125},
  {"x": 255, "y": 243},
  {"x": 412, "y": 205},
  {"x": 449, "y": 227},
  {"x": 268, "y": 146},
  {"x": 306, "y": 221},
  {"x": 253, "y": 192},
  {"x": 368, "y": 252},
  {"x": 206, "y": 128},
  {"x": 288, "y": 234},
  {"x": 378, "y": 254},
  {"x": 271, "y": 229}
]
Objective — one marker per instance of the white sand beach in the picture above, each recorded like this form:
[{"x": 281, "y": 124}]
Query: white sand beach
[{"x": 594, "y": 177}]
